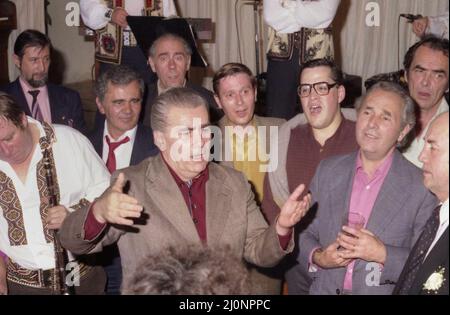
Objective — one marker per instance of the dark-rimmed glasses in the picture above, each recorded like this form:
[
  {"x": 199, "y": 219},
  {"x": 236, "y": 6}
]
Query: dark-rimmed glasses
[{"x": 321, "y": 88}]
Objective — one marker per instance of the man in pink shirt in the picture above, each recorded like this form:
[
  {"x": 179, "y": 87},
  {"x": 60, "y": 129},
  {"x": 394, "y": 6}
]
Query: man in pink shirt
[
  {"x": 381, "y": 186},
  {"x": 37, "y": 97}
]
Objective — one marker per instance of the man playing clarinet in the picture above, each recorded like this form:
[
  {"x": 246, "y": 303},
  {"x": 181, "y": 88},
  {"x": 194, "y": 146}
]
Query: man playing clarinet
[{"x": 46, "y": 172}]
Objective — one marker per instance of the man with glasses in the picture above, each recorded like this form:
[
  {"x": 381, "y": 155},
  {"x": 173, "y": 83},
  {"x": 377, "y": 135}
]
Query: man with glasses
[
  {"x": 377, "y": 183},
  {"x": 178, "y": 198},
  {"x": 303, "y": 143}
]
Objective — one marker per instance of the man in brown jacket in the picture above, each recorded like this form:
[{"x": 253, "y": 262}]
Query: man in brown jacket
[{"x": 179, "y": 198}]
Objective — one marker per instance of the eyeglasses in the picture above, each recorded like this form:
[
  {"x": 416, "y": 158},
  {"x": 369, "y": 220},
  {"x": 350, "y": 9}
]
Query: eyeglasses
[{"x": 321, "y": 88}]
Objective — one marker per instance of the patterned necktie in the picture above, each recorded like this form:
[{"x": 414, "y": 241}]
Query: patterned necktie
[
  {"x": 420, "y": 249},
  {"x": 111, "y": 161},
  {"x": 35, "y": 110}
]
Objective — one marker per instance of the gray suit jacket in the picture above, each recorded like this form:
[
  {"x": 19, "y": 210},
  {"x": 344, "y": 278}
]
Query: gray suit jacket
[
  {"x": 400, "y": 212},
  {"x": 232, "y": 218}
]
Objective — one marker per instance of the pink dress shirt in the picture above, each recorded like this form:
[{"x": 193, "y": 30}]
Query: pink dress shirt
[
  {"x": 42, "y": 99},
  {"x": 364, "y": 194}
]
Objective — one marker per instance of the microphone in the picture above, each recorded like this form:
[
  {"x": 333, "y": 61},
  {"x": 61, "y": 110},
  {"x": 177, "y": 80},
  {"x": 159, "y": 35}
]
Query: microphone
[{"x": 411, "y": 17}]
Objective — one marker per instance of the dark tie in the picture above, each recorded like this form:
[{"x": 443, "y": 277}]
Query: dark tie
[
  {"x": 35, "y": 110},
  {"x": 111, "y": 161},
  {"x": 417, "y": 255}
]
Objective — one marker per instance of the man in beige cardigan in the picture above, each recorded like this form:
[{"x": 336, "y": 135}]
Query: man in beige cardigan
[
  {"x": 179, "y": 198},
  {"x": 246, "y": 140}
]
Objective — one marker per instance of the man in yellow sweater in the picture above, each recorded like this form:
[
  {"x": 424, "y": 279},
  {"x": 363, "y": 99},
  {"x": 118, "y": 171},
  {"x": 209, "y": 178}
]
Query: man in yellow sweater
[{"x": 245, "y": 142}]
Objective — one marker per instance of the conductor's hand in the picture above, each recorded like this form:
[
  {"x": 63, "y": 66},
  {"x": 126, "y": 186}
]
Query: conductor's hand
[
  {"x": 113, "y": 206},
  {"x": 293, "y": 210},
  {"x": 55, "y": 217},
  {"x": 119, "y": 17}
]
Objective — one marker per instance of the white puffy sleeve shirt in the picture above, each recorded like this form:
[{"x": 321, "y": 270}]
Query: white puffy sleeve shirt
[
  {"x": 81, "y": 174},
  {"x": 289, "y": 16},
  {"x": 93, "y": 11}
]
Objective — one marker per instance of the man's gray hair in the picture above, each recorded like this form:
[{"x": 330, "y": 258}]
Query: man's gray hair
[
  {"x": 408, "y": 114},
  {"x": 117, "y": 75},
  {"x": 187, "y": 47},
  {"x": 179, "y": 97}
]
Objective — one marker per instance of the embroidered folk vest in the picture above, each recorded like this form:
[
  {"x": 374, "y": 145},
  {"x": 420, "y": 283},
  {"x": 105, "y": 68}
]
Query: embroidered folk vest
[
  {"x": 311, "y": 44},
  {"x": 10, "y": 203},
  {"x": 109, "y": 40}
]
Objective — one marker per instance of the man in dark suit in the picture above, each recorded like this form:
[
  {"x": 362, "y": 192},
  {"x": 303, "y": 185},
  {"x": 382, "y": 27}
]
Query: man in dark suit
[
  {"x": 120, "y": 141},
  {"x": 38, "y": 98},
  {"x": 426, "y": 270},
  {"x": 170, "y": 58}
]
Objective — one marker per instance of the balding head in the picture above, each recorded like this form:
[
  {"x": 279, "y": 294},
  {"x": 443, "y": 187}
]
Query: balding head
[{"x": 435, "y": 157}]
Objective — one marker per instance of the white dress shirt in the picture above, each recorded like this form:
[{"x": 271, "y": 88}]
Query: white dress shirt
[
  {"x": 443, "y": 225},
  {"x": 93, "y": 11},
  {"x": 438, "y": 25},
  {"x": 122, "y": 152},
  {"x": 80, "y": 174},
  {"x": 416, "y": 147},
  {"x": 289, "y": 16}
]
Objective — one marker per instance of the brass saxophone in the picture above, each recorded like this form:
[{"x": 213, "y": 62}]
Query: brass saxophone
[{"x": 60, "y": 286}]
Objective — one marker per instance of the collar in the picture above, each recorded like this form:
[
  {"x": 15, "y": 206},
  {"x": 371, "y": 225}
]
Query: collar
[
  {"x": 443, "y": 213},
  {"x": 337, "y": 133},
  {"x": 38, "y": 125},
  {"x": 161, "y": 90},
  {"x": 129, "y": 133},
  {"x": 203, "y": 176},
  {"x": 250, "y": 131},
  {"x": 443, "y": 107},
  {"x": 27, "y": 87},
  {"x": 382, "y": 169}
]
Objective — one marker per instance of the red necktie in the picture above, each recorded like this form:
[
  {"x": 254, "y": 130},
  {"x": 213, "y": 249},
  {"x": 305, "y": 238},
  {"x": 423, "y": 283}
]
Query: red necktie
[
  {"x": 111, "y": 162},
  {"x": 35, "y": 111}
]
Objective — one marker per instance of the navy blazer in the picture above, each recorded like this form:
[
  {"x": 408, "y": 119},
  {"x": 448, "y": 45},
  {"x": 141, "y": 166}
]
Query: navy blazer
[
  {"x": 143, "y": 146},
  {"x": 65, "y": 104},
  {"x": 436, "y": 261}
]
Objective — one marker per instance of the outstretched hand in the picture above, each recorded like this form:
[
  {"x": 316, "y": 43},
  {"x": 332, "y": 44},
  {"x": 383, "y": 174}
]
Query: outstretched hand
[
  {"x": 116, "y": 207},
  {"x": 293, "y": 210}
]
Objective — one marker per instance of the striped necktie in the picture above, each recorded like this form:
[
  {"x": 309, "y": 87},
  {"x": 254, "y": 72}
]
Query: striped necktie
[{"x": 35, "y": 110}]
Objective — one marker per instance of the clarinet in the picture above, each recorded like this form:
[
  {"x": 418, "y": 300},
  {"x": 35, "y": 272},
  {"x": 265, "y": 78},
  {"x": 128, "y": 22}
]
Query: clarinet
[{"x": 60, "y": 286}]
